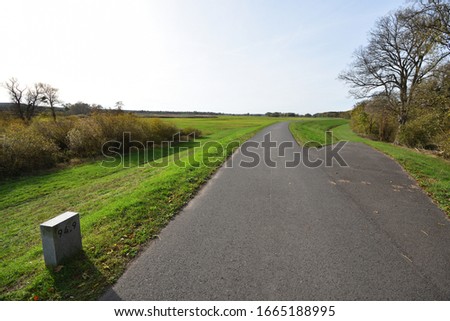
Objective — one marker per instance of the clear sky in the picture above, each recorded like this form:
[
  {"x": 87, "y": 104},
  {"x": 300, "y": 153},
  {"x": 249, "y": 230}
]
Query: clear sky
[{"x": 234, "y": 56}]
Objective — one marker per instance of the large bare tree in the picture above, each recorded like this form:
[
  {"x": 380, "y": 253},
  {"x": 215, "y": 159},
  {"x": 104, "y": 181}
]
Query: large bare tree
[{"x": 398, "y": 57}]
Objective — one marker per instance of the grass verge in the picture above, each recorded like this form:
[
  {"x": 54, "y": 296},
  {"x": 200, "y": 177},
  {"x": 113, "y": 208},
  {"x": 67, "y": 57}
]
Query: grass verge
[
  {"x": 311, "y": 132},
  {"x": 431, "y": 172}
]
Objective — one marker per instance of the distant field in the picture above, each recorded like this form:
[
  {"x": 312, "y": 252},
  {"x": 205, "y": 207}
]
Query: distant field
[
  {"x": 431, "y": 172},
  {"x": 120, "y": 208},
  {"x": 222, "y": 124}
]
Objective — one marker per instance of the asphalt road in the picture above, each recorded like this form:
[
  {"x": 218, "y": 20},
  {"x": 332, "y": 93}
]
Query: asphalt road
[{"x": 362, "y": 232}]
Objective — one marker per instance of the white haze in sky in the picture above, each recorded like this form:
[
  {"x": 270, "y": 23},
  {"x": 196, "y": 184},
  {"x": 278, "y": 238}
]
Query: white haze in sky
[{"x": 232, "y": 56}]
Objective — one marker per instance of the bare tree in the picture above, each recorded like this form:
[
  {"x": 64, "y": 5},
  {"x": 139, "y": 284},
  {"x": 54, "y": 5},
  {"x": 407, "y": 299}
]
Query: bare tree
[
  {"x": 398, "y": 57},
  {"x": 16, "y": 94},
  {"x": 119, "y": 106},
  {"x": 50, "y": 96},
  {"x": 34, "y": 96}
]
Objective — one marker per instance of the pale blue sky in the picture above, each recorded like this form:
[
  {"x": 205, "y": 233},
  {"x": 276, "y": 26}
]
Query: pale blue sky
[{"x": 233, "y": 56}]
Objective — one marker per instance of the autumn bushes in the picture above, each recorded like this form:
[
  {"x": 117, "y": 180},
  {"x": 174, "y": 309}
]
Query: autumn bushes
[
  {"x": 428, "y": 118},
  {"x": 43, "y": 143},
  {"x": 372, "y": 119},
  {"x": 426, "y": 129},
  {"x": 86, "y": 137},
  {"x": 23, "y": 149}
]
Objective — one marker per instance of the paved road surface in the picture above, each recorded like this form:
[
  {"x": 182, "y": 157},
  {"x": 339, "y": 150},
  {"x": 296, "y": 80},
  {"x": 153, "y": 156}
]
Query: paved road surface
[{"x": 362, "y": 232}]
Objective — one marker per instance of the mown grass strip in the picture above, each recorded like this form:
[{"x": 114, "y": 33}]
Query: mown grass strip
[{"x": 312, "y": 133}]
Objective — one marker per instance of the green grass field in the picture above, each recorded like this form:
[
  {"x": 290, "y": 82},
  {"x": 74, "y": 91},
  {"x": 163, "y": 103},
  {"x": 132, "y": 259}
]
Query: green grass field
[
  {"x": 431, "y": 172},
  {"x": 120, "y": 209}
]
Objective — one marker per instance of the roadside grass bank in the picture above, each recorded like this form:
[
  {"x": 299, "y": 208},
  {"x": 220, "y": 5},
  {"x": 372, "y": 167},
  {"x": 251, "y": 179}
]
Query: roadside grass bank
[
  {"x": 431, "y": 172},
  {"x": 120, "y": 209},
  {"x": 311, "y": 132}
]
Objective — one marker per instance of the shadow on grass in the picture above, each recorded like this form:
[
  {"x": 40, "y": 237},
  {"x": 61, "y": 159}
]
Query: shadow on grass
[{"x": 76, "y": 279}]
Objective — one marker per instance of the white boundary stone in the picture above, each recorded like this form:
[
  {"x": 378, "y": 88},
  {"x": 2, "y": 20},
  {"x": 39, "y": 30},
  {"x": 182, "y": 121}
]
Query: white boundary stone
[{"x": 61, "y": 238}]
